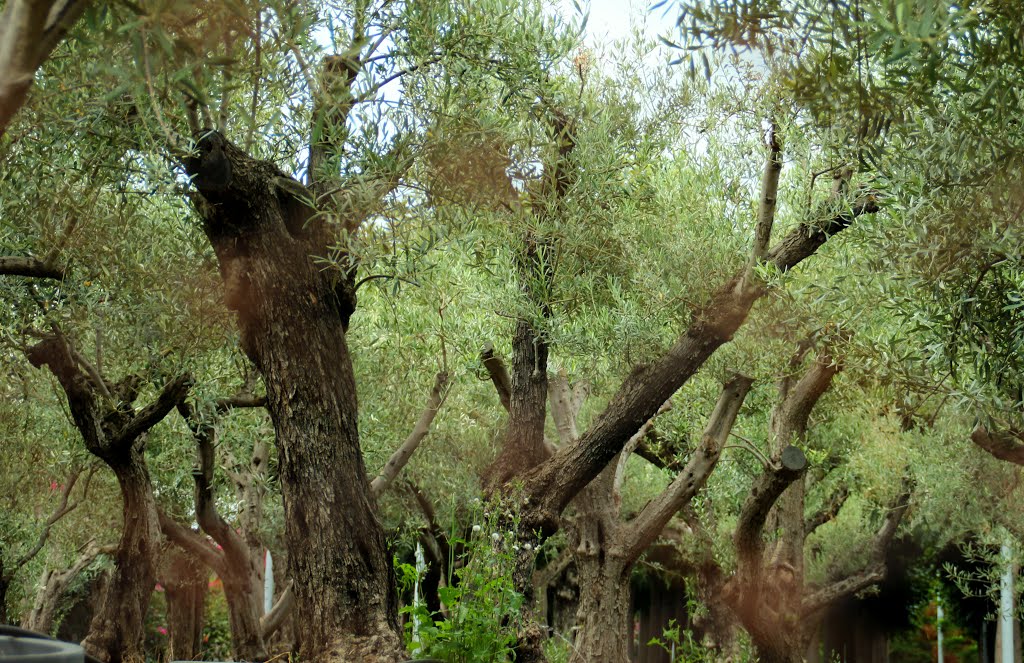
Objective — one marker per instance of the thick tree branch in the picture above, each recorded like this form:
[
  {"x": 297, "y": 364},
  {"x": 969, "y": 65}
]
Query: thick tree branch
[
  {"x": 555, "y": 484},
  {"x": 402, "y": 455},
  {"x": 207, "y": 516},
  {"x": 1005, "y": 445},
  {"x": 192, "y": 542},
  {"x": 766, "y": 490},
  {"x": 174, "y": 392},
  {"x": 647, "y": 526},
  {"x": 791, "y": 416},
  {"x": 31, "y": 267},
  {"x": 498, "y": 372},
  {"x": 243, "y": 399},
  {"x": 828, "y": 511},
  {"x": 29, "y": 31}
]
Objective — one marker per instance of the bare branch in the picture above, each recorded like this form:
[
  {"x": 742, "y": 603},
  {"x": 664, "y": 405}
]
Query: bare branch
[
  {"x": 499, "y": 374},
  {"x": 769, "y": 197},
  {"x": 401, "y": 455},
  {"x": 1005, "y": 445},
  {"x": 30, "y": 267},
  {"x": 646, "y": 527},
  {"x": 270, "y": 622}
]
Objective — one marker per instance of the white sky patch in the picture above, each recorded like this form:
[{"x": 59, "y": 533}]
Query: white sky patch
[{"x": 612, "y": 20}]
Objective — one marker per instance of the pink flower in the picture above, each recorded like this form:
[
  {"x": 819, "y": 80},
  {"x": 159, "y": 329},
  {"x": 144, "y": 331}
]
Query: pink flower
[
  {"x": 53, "y": 486},
  {"x": 162, "y": 630},
  {"x": 159, "y": 587}
]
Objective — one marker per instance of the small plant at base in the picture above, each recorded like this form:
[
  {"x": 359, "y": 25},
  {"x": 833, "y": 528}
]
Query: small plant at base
[{"x": 482, "y": 605}]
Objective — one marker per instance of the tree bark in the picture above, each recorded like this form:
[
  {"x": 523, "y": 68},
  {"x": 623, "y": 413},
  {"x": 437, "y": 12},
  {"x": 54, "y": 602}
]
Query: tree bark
[
  {"x": 185, "y": 580},
  {"x": 603, "y": 619},
  {"x": 1005, "y": 445},
  {"x": 606, "y": 549},
  {"x": 292, "y": 316},
  {"x": 115, "y": 633}
]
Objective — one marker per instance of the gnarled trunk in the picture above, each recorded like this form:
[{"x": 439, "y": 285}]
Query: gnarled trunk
[
  {"x": 604, "y": 630},
  {"x": 115, "y": 633},
  {"x": 245, "y": 607},
  {"x": 293, "y": 315}
]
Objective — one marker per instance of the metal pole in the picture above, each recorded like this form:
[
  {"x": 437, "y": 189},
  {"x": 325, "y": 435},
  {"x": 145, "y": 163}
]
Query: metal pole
[
  {"x": 421, "y": 566},
  {"x": 938, "y": 623}
]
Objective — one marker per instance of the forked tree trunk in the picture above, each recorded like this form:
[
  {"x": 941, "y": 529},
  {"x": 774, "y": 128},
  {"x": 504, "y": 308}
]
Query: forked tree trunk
[
  {"x": 293, "y": 315},
  {"x": 116, "y": 433}
]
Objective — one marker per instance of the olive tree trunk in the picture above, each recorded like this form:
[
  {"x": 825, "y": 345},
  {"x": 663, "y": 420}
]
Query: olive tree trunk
[
  {"x": 116, "y": 433},
  {"x": 293, "y": 315}
]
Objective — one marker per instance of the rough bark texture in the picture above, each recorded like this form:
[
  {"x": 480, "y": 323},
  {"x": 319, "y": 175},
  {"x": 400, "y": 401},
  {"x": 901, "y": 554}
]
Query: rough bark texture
[
  {"x": 292, "y": 315},
  {"x": 115, "y": 633},
  {"x": 767, "y": 592},
  {"x": 1005, "y": 445},
  {"x": 116, "y": 433}
]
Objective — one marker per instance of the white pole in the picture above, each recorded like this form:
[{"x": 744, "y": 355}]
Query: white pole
[
  {"x": 268, "y": 584},
  {"x": 1006, "y": 654},
  {"x": 421, "y": 565},
  {"x": 938, "y": 624}
]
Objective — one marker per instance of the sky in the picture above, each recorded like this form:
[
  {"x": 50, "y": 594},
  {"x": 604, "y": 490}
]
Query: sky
[{"x": 611, "y": 19}]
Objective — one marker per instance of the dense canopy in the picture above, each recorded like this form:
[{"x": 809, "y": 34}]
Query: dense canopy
[{"x": 371, "y": 330}]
